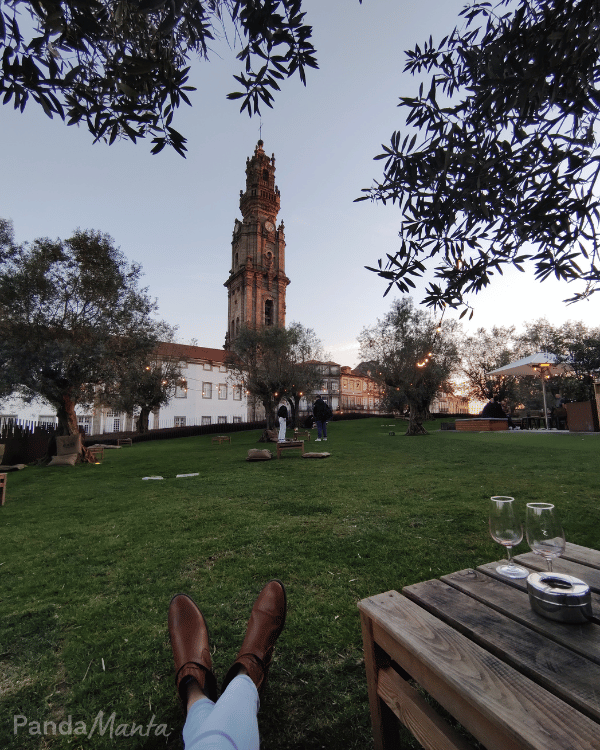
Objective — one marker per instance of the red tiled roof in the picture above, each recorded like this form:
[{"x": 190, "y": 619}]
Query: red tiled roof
[{"x": 187, "y": 351}]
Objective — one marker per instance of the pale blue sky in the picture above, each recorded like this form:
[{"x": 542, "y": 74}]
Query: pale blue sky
[{"x": 175, "y": 216}]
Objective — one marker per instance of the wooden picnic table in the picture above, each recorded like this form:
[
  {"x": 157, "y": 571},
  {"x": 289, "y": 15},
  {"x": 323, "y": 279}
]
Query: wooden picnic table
[{"x": 514, "y": 679}]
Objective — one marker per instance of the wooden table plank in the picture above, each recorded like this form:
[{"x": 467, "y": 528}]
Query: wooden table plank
[
  {"x": 572, "y": 678},
  {"x": 498, "y": 705},
  {"x": 590, "y": 575},
  {"x": 521, "y": 584},
  {"x": 583, "y": 639},
  {"x": 583, "y": 555}
]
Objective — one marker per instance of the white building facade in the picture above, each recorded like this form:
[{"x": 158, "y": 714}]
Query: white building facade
[{"x": 210, "y": 396}]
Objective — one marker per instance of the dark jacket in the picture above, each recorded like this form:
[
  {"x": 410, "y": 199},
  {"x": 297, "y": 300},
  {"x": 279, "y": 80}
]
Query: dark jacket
[
  {"x": 282, "y": 411},
  {"x": 321, "y": 410}
]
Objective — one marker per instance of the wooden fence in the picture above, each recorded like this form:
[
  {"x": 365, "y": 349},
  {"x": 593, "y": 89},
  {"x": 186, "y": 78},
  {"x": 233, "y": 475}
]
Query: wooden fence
[{"x": 27, "y": 442}]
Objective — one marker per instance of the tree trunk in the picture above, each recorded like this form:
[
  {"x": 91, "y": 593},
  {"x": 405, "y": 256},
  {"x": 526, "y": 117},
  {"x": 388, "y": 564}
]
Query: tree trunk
[
  {"x": 418, "y": 414},
  {"x": 294, "y": 402},
  {"x": 271, "y": 417},
  {"x": 142, "y": 420},
  {"x": 67, "y": 419}
]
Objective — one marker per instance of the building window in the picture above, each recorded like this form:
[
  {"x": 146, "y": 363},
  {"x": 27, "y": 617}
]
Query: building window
[
  {"x": 206, "y": 390},
  {"x": 112, "y": 413},
  {"x": 269, "y": 312},
  {"x": 179, "y": 421},
  {"x": 85, "y": 422},
  {"x": 344, "y": 383},
  {"x": 181, "y": 391},
  {"x": 206, "y": 366},
  {"x": 222, "y": 368},
  {"x": 237, "y": 392},
  {"x": 221, "y": 420},
  {"x": 117, "y": 425},
  {"x": 205, "y": 420},
  {"x": 222, "y": 391}
]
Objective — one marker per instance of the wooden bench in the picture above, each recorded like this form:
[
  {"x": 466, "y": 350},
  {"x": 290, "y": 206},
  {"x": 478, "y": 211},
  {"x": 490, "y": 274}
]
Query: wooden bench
[
  {"x": 221, "y": 439},
  {"x": 288, "y": 445},
  {"x": 482, "y": 424},
  {"x": 302, "y": 433},
  {"x": 124, "y": 441}
]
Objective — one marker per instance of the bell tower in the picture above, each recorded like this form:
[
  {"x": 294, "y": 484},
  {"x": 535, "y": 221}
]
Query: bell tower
[{"x": 257, "y": 282}]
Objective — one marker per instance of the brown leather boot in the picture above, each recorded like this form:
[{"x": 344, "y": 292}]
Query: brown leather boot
[
  {"x": 266, "y": 623},
  {"x": 191, "y": 651}
]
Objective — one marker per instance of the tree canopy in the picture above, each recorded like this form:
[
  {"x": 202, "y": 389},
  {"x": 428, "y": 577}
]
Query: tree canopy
[
  {"x": 499, "y": 162},
  {"x": 121, "y": 67},
  {"x": 483, "y": 352},
  {"x": 572, "y": 342},
  {"x": 72, "y": 317},
  {"x": 275, "y": 363},
  {"x": 148, "y": 383},
  {"x": 413, "y": 355}
]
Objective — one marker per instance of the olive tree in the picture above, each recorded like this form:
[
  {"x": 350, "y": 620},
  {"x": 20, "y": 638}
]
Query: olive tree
[
  {"x": 498, "y": 161},
  {"x": 72, "y": 318},
  {"x": 121, "y": 67},
  {"x": 413, "y": 355}
]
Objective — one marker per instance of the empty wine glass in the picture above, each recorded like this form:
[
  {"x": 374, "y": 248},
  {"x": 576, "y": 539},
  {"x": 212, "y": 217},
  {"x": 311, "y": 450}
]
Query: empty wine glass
[
  {"x": 544, "y": 531},
  {"x": 507, "y": 531}
]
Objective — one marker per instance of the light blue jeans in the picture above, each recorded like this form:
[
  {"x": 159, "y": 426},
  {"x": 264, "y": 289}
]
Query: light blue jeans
[
  {"x": 228, "y": 724},
  {"x": 282, "y": 428}
]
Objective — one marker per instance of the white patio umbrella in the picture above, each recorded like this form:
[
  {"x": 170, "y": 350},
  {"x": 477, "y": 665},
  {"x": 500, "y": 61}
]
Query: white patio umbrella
[{"x": 542, "y": 364}]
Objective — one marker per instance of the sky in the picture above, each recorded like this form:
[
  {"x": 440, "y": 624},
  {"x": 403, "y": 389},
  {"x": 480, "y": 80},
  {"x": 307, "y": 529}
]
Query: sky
[{"x": 175, "y": 216}]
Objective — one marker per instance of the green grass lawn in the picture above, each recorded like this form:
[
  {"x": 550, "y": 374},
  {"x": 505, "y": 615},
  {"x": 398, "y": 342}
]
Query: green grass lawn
[{"x": 91, "y": 555}]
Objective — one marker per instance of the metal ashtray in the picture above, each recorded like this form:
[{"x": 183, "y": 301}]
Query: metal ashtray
[{"x": 559, "y": 597}]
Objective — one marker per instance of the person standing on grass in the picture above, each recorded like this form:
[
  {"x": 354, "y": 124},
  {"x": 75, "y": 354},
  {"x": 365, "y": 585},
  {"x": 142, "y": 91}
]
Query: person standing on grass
[
  {"x": 282, "y": 413},
  {"x": 322, "y": 413},
  {"x": 229, "y": 723}
]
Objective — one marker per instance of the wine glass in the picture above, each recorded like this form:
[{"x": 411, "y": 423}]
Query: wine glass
[
  {"x": 544, "y": 531},
  {"x": 507, "y": 531}
]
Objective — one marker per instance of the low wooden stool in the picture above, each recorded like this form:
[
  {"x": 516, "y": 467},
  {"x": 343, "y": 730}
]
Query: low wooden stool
[
  {"x": 221, "y": 439},
  {"x": 301, "y": 433},
  {"x": 124, "y": 441},
  {"x": 289, "y": 444},
  {"x": 2, "y": 489}
]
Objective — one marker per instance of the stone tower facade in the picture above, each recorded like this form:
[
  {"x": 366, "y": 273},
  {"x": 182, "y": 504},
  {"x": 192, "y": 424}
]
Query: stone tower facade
[{"x": 257, "y": 282}]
